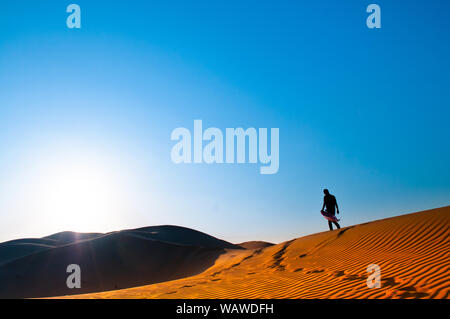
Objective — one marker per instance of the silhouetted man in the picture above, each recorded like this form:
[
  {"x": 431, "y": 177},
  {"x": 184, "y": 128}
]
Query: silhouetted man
[{"x": 329, "y": 201}]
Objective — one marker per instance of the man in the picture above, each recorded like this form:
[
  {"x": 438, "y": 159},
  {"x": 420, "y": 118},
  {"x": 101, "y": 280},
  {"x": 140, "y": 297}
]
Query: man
[{"x": 329, "y": 201}]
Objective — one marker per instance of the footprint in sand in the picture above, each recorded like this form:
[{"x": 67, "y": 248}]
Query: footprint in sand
[
  {"x": 339, "y": 273},
  {"x": 278, "y": 257},
  {"x": 343, "y": 231},
  {"x": 389, "y": 281},
  {"x": 316, "y": 271},
  {"x": 406, "y": 292},
  {"x": 352, "y": 277}
]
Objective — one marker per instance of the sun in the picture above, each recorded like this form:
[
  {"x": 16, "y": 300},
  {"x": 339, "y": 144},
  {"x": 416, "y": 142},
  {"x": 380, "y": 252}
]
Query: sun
[
  {"x": 80, "y": 197},
  {"x": 83, "y": 193}
]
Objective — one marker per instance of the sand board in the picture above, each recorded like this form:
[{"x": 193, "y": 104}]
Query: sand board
[{"x": 329, "y": 216}]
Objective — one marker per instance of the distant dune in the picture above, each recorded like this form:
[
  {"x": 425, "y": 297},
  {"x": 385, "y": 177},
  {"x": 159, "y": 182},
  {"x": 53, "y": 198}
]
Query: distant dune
[
  {"x": 255, "y": 244},
  {"x": 412, "y": 250},
  {"x": 17, "y": 248},
  {"x": 129, "y": 258}
]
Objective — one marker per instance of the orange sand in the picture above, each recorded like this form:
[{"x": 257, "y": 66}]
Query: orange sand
[{"x": 412, "y": 250}]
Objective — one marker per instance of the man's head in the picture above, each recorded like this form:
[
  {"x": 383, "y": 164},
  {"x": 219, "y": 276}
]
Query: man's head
[{"x": 326, "y": 192}]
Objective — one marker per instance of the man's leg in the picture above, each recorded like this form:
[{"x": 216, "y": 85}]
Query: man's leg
[
  {"x": 330, "y": 225},
  {"x": 337, "y": 225}
]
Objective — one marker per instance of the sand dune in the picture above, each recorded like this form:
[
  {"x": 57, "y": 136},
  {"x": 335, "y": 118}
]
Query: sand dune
[
  {"x": 255, "y": 244},
  {"x": 18, "y": 248},
  {"x": 108, "y": 261},
  {"x": 68, "y": 237},
  {"x": 412, "y": 250}
]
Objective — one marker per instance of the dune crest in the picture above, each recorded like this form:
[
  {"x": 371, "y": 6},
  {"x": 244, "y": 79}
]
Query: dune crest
[{"x": 413, "y": 252}]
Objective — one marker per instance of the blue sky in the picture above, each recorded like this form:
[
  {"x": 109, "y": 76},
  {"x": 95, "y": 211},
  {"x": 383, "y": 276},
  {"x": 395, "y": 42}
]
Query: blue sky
[{"x": 362, "y": 112}]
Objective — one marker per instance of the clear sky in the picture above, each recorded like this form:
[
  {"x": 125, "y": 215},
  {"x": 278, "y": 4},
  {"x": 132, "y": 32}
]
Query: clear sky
[{"x": 86, "y": 114}]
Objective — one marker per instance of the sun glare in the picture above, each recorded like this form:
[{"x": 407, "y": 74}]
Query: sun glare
[{"x": 83, "y": 194}]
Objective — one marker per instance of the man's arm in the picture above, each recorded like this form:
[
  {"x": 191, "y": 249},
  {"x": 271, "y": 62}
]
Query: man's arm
[
  {"x": 337, "y": 207},
  {"x": 323, "y": 206}
]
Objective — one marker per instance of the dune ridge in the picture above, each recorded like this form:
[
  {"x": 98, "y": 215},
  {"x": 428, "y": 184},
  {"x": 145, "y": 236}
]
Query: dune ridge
[{"x": 412, "y": 251}]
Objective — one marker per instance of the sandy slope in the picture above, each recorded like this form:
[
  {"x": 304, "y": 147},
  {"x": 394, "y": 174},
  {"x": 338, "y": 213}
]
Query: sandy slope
[{"x": 412, "y": 250}]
